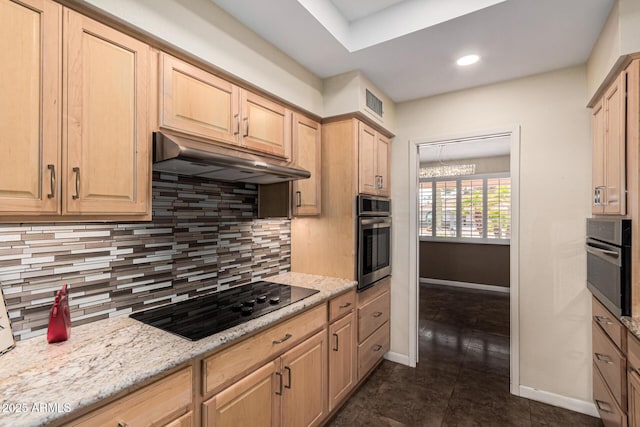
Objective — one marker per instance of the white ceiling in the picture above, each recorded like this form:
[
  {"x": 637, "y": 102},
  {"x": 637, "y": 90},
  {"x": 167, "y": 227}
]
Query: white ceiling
[
  {"x": 408, "y": 48},
  {"x": 468, "y": 149}
]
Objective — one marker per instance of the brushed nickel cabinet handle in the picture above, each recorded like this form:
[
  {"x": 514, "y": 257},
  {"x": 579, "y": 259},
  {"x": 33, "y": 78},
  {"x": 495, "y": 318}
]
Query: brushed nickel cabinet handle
[
  {"x": 601, "y": 406},
  {"x": 298, "y": 199},
  {"x": 336, "y": 347},
  {"x": 377, "y": 314},
  {"x": 246, "y": 120},
  {"x": 346, "y": 305},
  {"x": 237, "y": 132},
  {"x": 603, "y": 320},
  {"x": 52, "y": 182},
  {"x": 279, "y": 393},
  {"x": 122, "y": 424},
  {"x": 378, "y": 347},
  {"x": 603, "y": 358},
  {"x": 283, "y": 339},
  {"x": 76, "y": 196},
  {"x": 289, "y": 382}
]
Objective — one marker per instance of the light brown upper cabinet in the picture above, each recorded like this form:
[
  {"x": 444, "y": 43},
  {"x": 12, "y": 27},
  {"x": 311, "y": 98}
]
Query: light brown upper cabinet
[
  {"x": 197, "y": 102},
  {"x": 30, "y": 107},
  {"x": 374, "y": 154},
  {"x": 74, "y": 120},
  {"x": 609, "y": 159},
  {"x": 106, "y": 136},
  {"x": 307, "y": 154},
  {"x": 266, "y": 126}
]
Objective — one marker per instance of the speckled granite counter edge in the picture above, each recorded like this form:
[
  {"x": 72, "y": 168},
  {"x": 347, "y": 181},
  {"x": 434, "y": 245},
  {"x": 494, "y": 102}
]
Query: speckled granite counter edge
[
  {"x": 106, "y": 357},
  {"x": 632, "y": 324}
]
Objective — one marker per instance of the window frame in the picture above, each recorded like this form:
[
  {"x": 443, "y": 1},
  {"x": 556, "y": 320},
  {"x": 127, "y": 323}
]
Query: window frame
[{"x": 458, "y": 238}]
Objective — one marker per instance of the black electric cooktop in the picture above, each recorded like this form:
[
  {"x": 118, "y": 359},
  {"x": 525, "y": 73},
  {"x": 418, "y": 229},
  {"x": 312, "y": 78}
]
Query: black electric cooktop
[{"x": 206, "y": 315}]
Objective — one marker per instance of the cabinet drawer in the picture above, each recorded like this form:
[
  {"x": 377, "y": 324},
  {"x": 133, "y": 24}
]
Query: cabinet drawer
[
  {"x": 609, "y": 324},
  {"x": 154, "y": 404},
  {"x": 341, "y": 305},
  {"x": 372, "y": 350},
  {"x": 184, "y": 421},
  {"x": 372, "y": 315},
  {"x": 609, "y": 410},
  {"x": 238, "y": 360},
  {"x": 611, "y": 363}
]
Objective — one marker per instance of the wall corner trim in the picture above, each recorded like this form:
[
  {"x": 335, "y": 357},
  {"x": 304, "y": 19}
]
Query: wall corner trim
[
  {"x": 570, "y": 403},
  {"x": 403, "y": 359}
]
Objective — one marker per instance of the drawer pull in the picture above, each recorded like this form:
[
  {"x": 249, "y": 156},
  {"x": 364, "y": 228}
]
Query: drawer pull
[
  {"x": 378, "y": 347},
  {"x": 377, "y": 314},
  {"x": 345, "y": 306},
  {"x": 289, "y": 371},
  {"x": 52, "y": 181},
  {"x": 281, "y": 340},
  {"x": 76, "y": 171},
  {"x": 279, "y": 393},
  {"x": 602, "y": 406},
  {"x": 122, "y": 424},
  {"x": 603, "y": 358},
  {"x": 603, "y": 320},
  {"x": 336, "y": 347}
]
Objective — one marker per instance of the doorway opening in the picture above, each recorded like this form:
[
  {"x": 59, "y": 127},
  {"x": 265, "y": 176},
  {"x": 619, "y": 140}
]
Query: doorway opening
[{"x": 466, "y": 257}]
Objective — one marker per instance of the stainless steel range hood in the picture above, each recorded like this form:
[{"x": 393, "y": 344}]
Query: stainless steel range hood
[{"x": 184, "y": 156}]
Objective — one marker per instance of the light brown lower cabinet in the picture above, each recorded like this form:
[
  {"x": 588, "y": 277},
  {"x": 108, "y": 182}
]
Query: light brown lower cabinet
[
  {"x": 342, "y": 359},
  {"x": 289, "y": 391},
  {"x": 634, "y": 398},
  {"x": 374, "y": 307}
]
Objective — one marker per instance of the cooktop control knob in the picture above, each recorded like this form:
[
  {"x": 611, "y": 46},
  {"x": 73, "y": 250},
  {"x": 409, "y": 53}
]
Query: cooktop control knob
[
  {"x": 274, "y": 300},
  {"x": 250, "y": 303},
  {"x": 246, "y": 311},
  {"x": 261, "y": 299},
  {"x": 236, "y": 307}
]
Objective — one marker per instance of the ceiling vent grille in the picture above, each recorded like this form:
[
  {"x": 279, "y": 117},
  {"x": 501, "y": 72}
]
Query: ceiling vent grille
[{"x": 374, "y": 103}]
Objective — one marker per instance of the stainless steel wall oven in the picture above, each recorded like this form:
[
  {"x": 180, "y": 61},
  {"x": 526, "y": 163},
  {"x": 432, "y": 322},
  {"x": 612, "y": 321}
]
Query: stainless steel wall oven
[
  {"x": 609, "y": 263},
  {"x": 374, "y": 240}
]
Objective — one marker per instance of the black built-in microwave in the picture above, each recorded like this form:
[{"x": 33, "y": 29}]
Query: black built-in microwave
[{"x": 608, "y": 249}]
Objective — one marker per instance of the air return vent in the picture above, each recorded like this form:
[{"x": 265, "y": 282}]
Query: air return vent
[{"x": 374, "y": 103}]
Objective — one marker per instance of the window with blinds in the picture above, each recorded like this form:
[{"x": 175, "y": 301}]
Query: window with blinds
[{"x": 473, "y": 208}]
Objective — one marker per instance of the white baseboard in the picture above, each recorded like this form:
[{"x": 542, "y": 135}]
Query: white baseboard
[
  {"x": 398, "y": 358},
  {"x": 565, "y": 402},
  {"x": 480, "y": 286}
]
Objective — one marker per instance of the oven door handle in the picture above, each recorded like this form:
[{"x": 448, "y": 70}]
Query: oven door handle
[
  {"x": 612, "y": 256},
  {"x": 380, "y": 222}
]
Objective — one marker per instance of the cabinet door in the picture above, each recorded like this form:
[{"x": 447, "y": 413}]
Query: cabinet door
[
  {"x": 31, "y": 54},
  {"x": 266, "y": 126},
  {"x": 342, "y": 359},
  {"x": 634, "y": 398},
  {"x": 306, "y": 152},
  {"x": 367, "y": 159},
  {"x": 106, "y": 135},
  {"x": 252, "y": 401},
  {"x": 383, "y": 154},
  {"x": 614, "y": 153},
  {"x": 198, "y": 102},
  {"x": 598, "y": 159},
  {"x": 304, "y": 371}
]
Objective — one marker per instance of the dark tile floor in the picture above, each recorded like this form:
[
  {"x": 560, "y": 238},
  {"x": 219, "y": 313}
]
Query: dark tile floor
[{"x": 462, "y": 378}]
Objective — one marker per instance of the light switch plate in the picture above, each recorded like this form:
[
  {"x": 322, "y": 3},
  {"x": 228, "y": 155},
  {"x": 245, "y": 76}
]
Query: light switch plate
[{"x": 6, "y": 335}]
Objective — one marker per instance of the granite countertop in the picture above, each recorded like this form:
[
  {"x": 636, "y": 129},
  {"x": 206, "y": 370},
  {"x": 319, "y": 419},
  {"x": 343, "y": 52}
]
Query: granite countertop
[
  {"x": 632, "y": 324},
  {"x": 41, "y": 382}
]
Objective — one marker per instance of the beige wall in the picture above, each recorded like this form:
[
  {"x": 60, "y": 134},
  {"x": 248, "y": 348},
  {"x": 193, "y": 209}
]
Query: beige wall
[
  {"x": 345, "y": 93},
  {"x": 203, "y": 29},
  {"x": 620, "y": 36},
  {"x": 555, "y": 179}
]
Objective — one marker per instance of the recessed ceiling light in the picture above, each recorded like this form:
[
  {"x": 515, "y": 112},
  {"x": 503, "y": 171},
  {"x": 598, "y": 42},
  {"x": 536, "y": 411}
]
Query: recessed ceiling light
[{"x": 468, "y": 60}]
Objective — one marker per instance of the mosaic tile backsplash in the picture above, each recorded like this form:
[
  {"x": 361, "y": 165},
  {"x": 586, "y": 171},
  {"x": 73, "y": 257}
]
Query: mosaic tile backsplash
[{"x": 203, "y": 238}]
